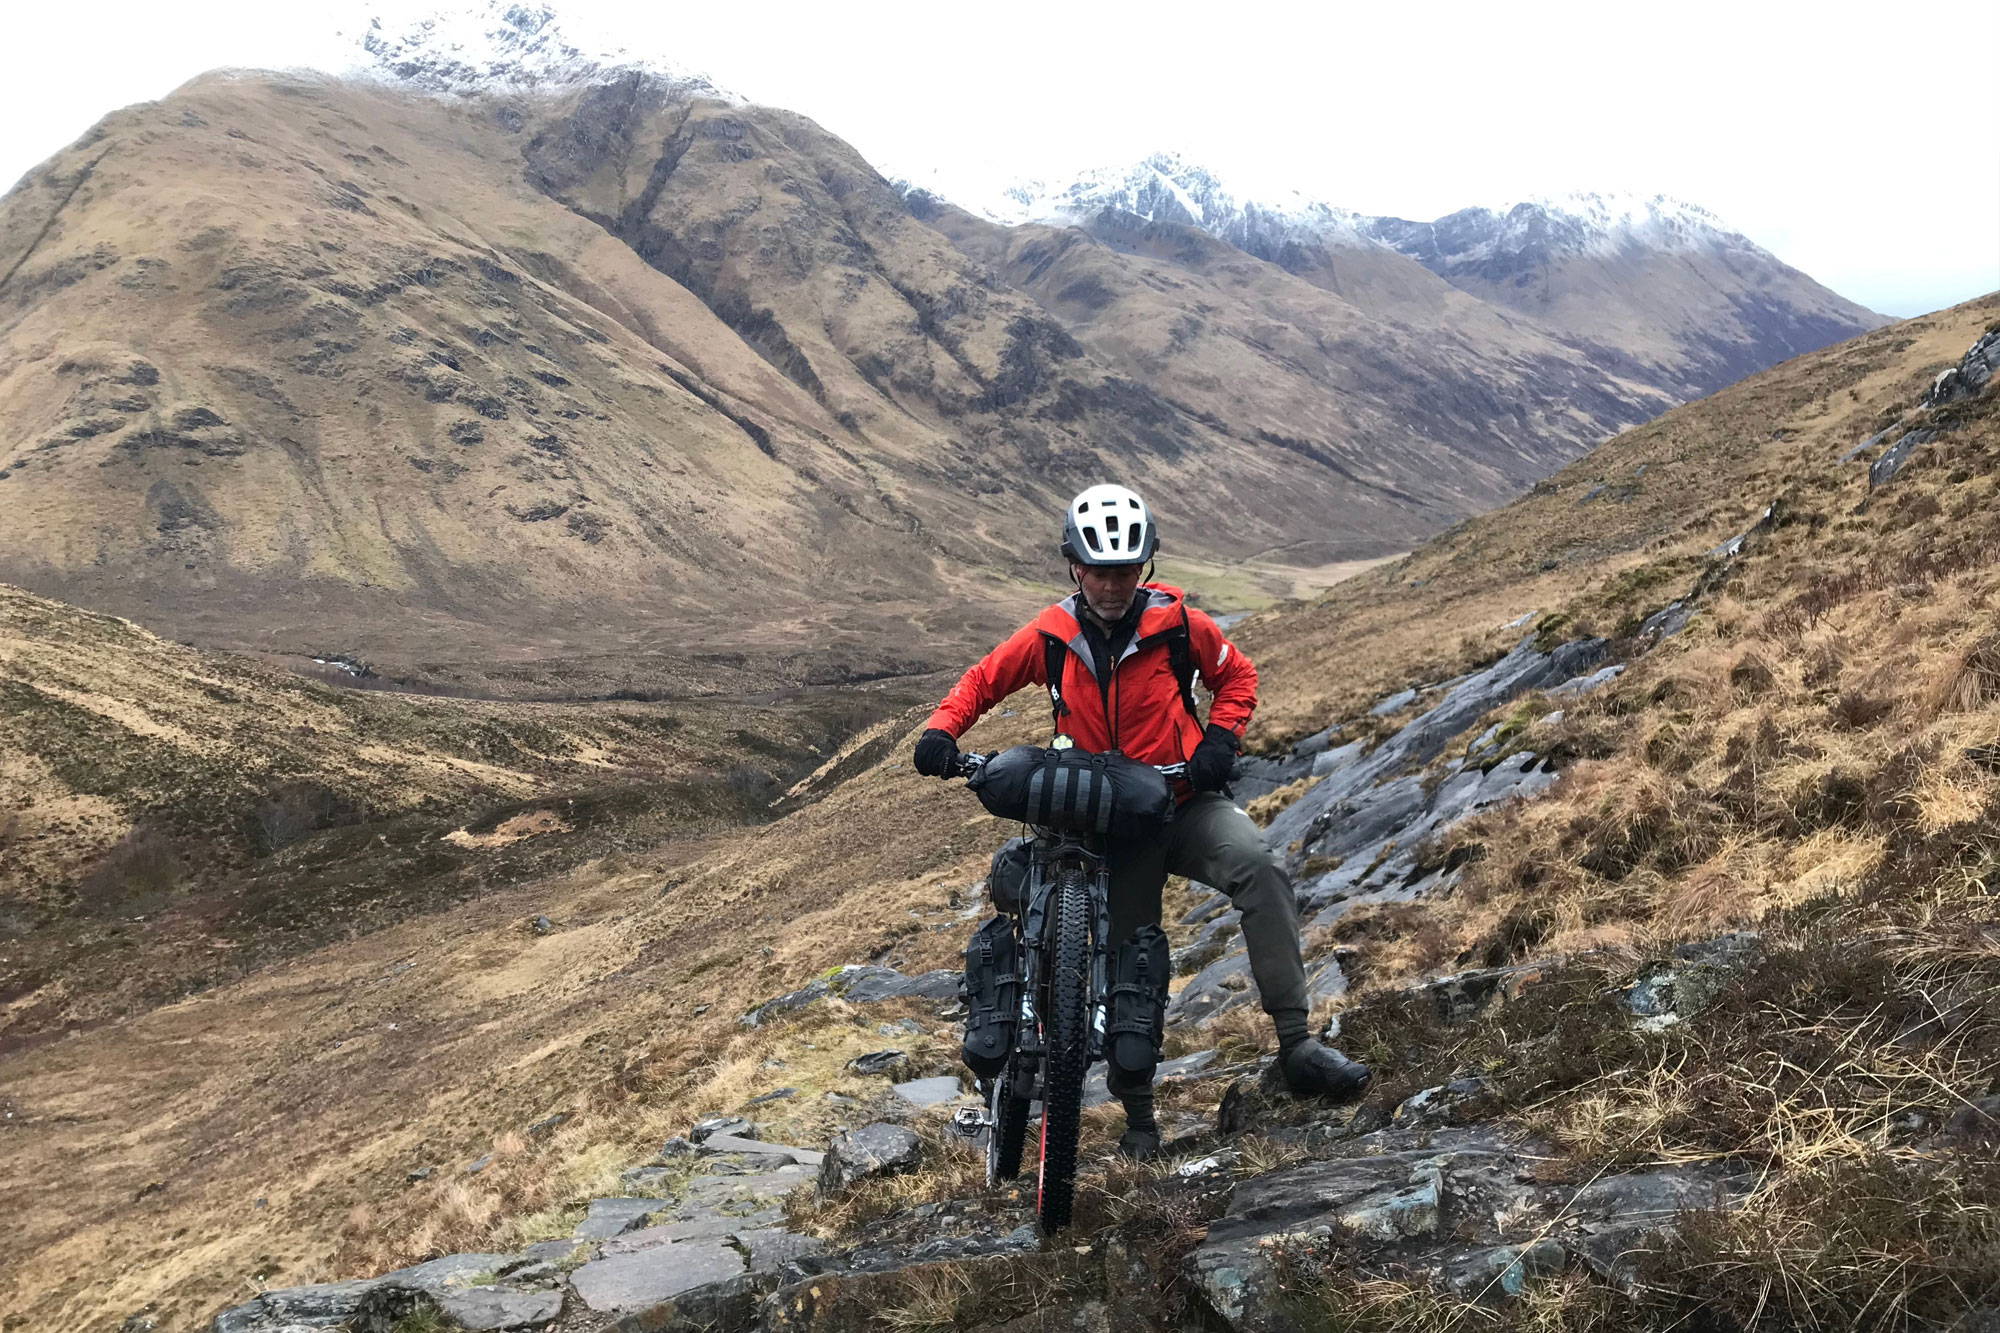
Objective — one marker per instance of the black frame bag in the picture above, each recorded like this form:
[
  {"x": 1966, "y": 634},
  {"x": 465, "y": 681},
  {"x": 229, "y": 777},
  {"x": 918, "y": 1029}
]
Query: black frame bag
[{"x": 1074, "y": 791}]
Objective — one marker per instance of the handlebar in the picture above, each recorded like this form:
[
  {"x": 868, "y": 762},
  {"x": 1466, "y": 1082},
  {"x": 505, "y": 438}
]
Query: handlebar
[{"x": 972, "y": 761}]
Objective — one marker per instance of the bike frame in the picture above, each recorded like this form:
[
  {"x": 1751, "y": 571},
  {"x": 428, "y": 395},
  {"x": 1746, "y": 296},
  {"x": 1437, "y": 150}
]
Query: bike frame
[{"x": 1053, "y": 852}]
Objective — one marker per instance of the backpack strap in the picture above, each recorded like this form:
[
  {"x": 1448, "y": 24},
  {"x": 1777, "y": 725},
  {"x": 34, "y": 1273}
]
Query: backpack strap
[
  {"x": 1056, "y": 655},
  {"x": 1180, "y": 654}
]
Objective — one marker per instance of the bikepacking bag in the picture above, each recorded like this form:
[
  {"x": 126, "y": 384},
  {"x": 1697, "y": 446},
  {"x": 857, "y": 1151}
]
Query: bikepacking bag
[
  {"x": 992, "y": 997},
  {"x": 1075, "y": 791},
  {"x": 1138, "y": 1002},
  {"x": 1007, "y": 881}
]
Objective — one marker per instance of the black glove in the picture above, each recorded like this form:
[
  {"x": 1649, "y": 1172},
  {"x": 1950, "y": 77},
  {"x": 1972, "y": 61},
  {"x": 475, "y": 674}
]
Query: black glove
[
  {"x": 937, "y": 754},
  {"x": 1212, "y": 762}
]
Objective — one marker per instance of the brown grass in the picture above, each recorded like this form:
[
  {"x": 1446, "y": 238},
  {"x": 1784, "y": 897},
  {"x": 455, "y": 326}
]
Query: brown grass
[{"x": 1967, "y": 680}]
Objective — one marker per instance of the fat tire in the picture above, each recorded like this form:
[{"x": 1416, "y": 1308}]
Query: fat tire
[
  {"x": 1010, "y": 1128},
  {"x": 1066, "y": 1038}
]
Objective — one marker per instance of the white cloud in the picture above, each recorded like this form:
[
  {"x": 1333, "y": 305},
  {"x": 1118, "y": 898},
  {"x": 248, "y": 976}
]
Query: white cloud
[{"x": 1807, "y": 126}]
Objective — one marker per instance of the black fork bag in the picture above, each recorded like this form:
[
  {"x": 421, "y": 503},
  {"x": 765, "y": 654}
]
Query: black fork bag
[{"x": 992, "y": 996}]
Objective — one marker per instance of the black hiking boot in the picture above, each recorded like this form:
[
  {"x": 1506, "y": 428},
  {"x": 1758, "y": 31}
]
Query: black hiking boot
[
  {"x": 1139, "y": 1144},
  {"x": 1314, "y": 1070}
]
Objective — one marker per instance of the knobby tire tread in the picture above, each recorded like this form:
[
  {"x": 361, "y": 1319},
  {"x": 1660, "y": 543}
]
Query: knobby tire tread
[{"x": 1067, "y": 1034}]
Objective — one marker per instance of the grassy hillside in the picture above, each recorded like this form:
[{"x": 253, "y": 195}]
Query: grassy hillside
[
  {"x": 1811, "y": 757},
  {"x": 172, "y": 817}
]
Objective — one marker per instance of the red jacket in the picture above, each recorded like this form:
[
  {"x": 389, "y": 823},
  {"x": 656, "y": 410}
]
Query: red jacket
[{"x": 1138, "y": 711}]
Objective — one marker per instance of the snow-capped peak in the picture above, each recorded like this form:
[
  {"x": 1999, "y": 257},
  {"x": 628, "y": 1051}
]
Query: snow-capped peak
[
  {"x": 502, "y": 46},
  {"x": 1165, "y": 187},
  {"x": 1536, "y": 229},
  {"x": 1609, "y": 219}
]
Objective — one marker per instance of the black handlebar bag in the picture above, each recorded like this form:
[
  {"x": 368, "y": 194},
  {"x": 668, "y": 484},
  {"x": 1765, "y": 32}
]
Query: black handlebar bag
[{"x": 1074, "y": 791}]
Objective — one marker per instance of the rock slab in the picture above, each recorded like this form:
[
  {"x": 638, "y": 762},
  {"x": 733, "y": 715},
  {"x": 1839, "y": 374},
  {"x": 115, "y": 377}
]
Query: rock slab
[
  {"x": 873, "y": 1150},
  {"x": 624, "y": 1283}
]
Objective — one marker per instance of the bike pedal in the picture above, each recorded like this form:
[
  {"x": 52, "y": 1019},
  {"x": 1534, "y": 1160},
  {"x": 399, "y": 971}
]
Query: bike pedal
[{"x": 970, "y": 1120}]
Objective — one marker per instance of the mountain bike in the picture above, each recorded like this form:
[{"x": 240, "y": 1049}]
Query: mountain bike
[{"x": 1062, "y": 978}]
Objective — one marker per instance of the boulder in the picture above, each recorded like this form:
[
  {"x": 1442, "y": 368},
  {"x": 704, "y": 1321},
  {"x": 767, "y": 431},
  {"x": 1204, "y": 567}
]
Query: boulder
[
  {"x": 769, "y": 1248},
  {"x": 389, "y": 1309},
  {"x": 1221, "y": 985},
  {"x": 1970, "y": 376},
  {"x": 700, "y": 1225},
  {"x": 719, "y": 1124},
  {"x": 331, "y": 1304},
  {"x": 1681, "y": 987},
  {"x": 731, "y": 1143},
  {"x": 1884, "y": 469},
  {"x": 1458, "y": 1209},
  {"x": 872, "y": 1150},
  {"x": 1463, "y": 995}
]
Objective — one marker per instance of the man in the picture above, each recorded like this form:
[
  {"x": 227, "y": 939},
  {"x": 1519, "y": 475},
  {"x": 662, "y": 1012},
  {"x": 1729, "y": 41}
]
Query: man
[{"x": 1118, "y": 641}]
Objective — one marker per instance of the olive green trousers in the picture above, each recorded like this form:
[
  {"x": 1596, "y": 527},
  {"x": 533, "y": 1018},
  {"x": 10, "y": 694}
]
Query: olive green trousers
[{"x": 1213, "y": 841}]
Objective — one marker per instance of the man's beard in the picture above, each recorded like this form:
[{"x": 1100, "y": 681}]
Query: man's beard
[{"x": 1110, "y": 615}]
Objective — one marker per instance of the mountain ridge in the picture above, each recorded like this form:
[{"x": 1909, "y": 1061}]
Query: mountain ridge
[{"x": 1650, "y": 287}]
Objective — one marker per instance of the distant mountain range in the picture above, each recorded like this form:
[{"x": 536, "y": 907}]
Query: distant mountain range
[
  {"x": 1652, "y": 286},
  {"x": 505, "y": 350}
]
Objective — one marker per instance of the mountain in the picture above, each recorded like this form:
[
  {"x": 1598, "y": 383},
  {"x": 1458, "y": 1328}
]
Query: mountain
[
  {"x": 516, "y": 366},
  {"x": 1433, "y": 402},
  {"x": 1692, "y": 304},
  {"x": 1660, "y": 291}
]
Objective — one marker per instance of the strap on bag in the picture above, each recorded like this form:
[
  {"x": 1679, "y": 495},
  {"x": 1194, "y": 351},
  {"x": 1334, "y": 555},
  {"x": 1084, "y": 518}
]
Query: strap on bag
[{"x": 1055, "y": 654}]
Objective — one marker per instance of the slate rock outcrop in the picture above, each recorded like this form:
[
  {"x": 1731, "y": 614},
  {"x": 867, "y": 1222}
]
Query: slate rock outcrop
[
  {"x": 859, "y": 984},
  {"x": 872, "y": 1150}
]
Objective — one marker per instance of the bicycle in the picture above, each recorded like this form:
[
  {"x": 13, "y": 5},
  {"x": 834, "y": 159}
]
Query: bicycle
[{"x": 1061, "y": 982}]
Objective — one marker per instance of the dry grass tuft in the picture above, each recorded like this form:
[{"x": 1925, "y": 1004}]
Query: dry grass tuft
[
  {"x": 1272, "y": 804},
  {"x": 927, "y": 1299},
  {"x": 1967, "y": 680}
]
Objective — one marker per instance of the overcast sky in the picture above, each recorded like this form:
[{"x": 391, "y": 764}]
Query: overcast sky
[{"x": 1818, "y": 130}]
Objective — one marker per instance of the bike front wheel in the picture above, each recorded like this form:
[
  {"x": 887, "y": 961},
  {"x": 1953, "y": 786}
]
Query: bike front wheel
[{"x": 1066, "y": 1039}]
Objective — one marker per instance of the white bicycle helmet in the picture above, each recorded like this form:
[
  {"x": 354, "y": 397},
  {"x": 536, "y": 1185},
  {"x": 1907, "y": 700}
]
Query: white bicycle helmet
[{"x": 1109, "y": 525}]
